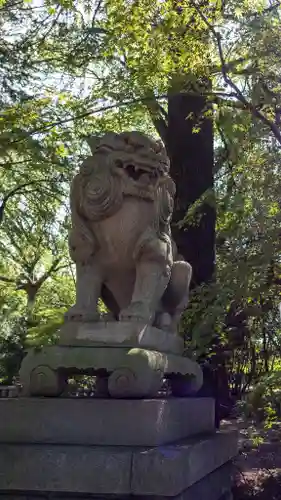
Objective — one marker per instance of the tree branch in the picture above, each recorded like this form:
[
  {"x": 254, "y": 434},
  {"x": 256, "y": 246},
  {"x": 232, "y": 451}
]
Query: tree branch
[
  {"x": 240, "y": 96},
  {"x": 159, "y": 118},
  {"x": 6, "y": 280},
  {"x": 101, "y": 109},
  {"x": 98, "y": 6},
  {"x": 15, "y": 191},
  {"x": 148, "y": 101},
  {"x": 32, "y": 287},
  {"x": 53, "y": 268}
]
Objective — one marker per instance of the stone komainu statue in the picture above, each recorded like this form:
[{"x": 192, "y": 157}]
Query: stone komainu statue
[{"x": 121, "y": 208}]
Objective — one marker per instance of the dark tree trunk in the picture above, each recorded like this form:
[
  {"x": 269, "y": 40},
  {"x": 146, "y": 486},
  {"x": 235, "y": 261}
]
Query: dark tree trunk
[{"x": 191, "y": 156}]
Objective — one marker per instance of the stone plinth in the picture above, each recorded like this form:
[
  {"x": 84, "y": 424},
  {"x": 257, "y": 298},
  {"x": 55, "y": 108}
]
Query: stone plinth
[
  {"x": 127, "y": 334},
  {"x": 82, "y": 421},
  {"x": 79, "y": 448},
  {"x": 139, "y": 472}
]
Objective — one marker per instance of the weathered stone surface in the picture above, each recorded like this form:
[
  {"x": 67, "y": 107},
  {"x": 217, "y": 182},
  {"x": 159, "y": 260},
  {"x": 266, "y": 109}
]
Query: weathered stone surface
[
  {"x": 50, "y": 362},
  {"x": 171, "y": 469},
  {"x": 215, "y": 486},
  {"x": 164, "y": 471},
  {"x": 121, "y": 204},
  {"x": 76, "y": 469},
  {"x": 104, "y": 421},
  {"x": 120, "y": 332},
  {"x": 121, "y": 207}
]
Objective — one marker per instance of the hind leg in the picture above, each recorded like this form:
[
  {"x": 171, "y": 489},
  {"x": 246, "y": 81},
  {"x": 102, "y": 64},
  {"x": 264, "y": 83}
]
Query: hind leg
[
  {"x": 151, "y": 282},
  {"x": 175, "y": 298},
  {"x": 153, "y": 269}
]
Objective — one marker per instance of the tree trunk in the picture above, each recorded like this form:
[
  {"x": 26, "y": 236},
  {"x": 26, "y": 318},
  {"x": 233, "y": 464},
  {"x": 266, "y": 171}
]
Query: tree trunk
[{"x": 191, "y": 156}]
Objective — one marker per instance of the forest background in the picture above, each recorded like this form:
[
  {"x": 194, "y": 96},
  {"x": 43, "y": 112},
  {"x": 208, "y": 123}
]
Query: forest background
[{"x": 202, "y": 75}]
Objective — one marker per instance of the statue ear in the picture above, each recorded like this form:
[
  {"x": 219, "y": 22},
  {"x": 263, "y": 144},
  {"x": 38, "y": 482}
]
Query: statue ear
[{"x": 93, "y": 142}]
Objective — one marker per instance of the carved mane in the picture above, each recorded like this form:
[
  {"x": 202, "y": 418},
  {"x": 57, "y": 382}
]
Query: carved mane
[{"x": 99, "y": 188}]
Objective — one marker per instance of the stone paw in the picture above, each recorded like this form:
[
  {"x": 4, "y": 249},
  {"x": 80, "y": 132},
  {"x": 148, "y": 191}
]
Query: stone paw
[
  {"x": 135, "y": 312},
  {"x": 76, "y": 313}
]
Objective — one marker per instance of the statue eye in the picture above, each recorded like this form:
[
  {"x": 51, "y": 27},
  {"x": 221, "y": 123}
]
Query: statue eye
[{"x": 119, "y": 164}]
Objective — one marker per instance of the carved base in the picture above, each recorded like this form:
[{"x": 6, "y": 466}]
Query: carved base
[{"x": 131, "y": 372}]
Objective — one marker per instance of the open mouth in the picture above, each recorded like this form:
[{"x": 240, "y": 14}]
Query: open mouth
[{"x": 135, "y": 172}]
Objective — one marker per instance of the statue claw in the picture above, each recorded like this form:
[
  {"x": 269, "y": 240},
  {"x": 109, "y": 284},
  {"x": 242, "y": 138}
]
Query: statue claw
[
  {"x": 79, "y": 314},
  {"x": 136, "y": 312}
]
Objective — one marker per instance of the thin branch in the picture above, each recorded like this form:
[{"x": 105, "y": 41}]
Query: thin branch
[
  {"x": 59, "y": 268},
  {"x": 96, "y": 12},
  {"x": 163, "y": 112},
  {"x": 53, "y": 24},
  {"x": 17, "y": 190},
  {"x": 32, "y": 287},
  {"x": 7, "y": 280},
  {"x": 159, "y": 117},
  {"x": 33, "y": 33},
  {"x": 53, "y": 268},
  {"x": 226, "y": 156},
  {"x": 88, "y": 113},
  {"x": 248, "y": 105},
  {"x": 141, "y": 100}
]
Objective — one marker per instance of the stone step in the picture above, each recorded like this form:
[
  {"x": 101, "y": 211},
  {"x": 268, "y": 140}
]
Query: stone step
[
  {"x": 89, "y": 421},
  {"x": 216, "y": 486},
  {"x": 148, "y": 472}
]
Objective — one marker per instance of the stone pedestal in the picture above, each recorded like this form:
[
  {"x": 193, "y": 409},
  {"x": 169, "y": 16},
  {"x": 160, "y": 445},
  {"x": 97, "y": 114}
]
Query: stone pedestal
[
  {"x": 129, "y": 449},
  {"x": 104, "y": 422}
]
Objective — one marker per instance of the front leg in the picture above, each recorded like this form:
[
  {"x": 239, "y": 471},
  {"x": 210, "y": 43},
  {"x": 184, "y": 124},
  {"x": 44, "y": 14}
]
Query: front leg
[
  {"x": 88, "y": 291},
  {"x": 153, "y": 269}
]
